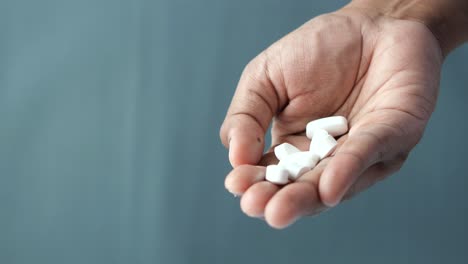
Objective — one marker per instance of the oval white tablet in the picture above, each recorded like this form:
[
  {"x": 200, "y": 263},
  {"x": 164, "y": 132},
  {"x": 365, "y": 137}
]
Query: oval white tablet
[
  {"x": 304, "y": 158},
  {"x": 284, "y": 150},
  {"x": 296, "y": 170},
  {"x": 334, "y": 125},
  {"x": 323, "y": 145},
  {"x": 276, "y": 174}
]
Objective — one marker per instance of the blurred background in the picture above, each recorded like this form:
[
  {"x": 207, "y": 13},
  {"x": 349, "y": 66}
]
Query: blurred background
[{"x": 109, "y": 148}]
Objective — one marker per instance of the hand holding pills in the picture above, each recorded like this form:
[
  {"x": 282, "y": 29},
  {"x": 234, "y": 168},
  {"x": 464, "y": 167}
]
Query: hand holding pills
[
  {"x": 294, "y": 163},
  {"x": 347, "y": 98}
]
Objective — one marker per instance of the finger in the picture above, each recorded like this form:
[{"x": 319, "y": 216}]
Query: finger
[
  {"x": 253, "y": 106},
  {"x": 296, "y": 199},
  {"x": 242, "y": 177},
  {"x": 254, "y": 200},
  {"x": 301, "y": 198},
  {"x": 363, "y": 147},
  {"x": 372, "y": 175}
]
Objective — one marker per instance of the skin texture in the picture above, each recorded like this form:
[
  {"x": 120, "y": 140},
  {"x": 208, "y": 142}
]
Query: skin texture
[
  {"x": 382, "y": 73},
  {"x": 446, "y": 19}
]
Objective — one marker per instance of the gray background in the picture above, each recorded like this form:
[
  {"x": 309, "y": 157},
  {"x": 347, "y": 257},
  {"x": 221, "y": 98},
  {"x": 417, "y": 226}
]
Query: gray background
[{"x": 109, "y": 150}]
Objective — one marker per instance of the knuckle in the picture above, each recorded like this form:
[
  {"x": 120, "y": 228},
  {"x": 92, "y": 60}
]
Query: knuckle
[{"x": 256, "y": 68}]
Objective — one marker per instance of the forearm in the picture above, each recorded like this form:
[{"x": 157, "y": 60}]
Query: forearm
[{"x": 447, "y": 19}]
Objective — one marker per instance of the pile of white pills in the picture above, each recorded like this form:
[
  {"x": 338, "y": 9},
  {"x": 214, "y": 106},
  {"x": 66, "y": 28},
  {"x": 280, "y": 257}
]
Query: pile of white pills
[{"x": 293, "y": 163}]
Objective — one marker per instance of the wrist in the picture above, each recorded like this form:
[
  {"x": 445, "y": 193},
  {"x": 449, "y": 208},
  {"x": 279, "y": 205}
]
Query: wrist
[{"x": 446, "y": 19}]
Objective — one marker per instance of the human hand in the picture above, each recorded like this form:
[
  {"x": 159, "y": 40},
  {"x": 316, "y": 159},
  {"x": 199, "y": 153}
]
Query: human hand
[{"x": 381, "y": 73}]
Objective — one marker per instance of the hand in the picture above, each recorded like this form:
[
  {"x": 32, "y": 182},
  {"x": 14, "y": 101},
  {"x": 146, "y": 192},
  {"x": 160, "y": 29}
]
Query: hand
[{"x": 379, "y": 72}]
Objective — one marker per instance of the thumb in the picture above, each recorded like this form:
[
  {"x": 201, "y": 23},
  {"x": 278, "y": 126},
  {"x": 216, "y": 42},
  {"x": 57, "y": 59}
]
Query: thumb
[{"x": 253, "y": 106}]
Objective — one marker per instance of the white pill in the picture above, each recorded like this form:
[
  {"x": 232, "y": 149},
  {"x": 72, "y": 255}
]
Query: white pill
[
  {"x": 284, "y": 150},
  {"x": 322, "y": 144},
  {"x": 304, "y": 158},
  {"x": 296, "y": 170},
  {"x": 334, "y": 125},
  {"x": 276, "y": 174}
]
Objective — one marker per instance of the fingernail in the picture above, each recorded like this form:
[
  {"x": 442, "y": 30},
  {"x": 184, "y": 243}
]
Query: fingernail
[
  {"x": 234, "y": 194},
  {"x": 231, "y": 154},
  {"x": 294, "y": 220},
  {"x": 333, "y": 204}
]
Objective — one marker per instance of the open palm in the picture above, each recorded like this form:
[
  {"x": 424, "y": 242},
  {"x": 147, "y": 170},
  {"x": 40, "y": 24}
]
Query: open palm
[{"x": 380, "y": 73}]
